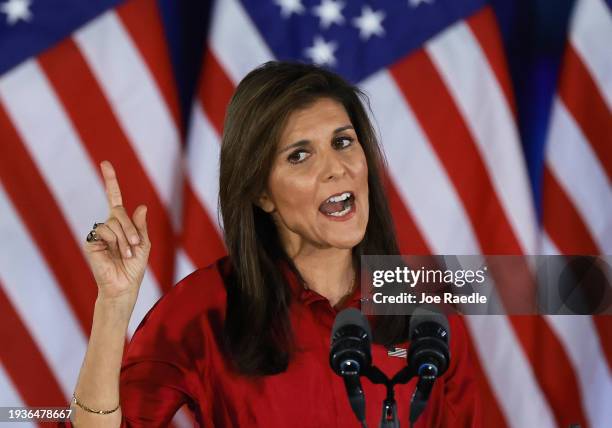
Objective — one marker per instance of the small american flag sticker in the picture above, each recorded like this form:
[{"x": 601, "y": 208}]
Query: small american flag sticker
[{"x": 397, "y": 352}]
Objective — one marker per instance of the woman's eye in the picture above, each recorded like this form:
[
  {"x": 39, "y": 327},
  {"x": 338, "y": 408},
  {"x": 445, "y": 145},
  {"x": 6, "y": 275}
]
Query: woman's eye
[
  {"x": 343, "y": 142},
  {"x": 297, "y": 156},
  {"x": 301, "y": 155}
]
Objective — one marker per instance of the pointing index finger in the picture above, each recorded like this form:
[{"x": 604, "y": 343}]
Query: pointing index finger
[{"x": 111, "y": 185}]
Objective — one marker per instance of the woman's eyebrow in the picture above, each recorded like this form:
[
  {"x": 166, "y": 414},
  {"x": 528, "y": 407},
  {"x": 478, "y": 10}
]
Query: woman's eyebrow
[
  {"x": 343, "y": 128},
  {"x": 302, "y": 143}
]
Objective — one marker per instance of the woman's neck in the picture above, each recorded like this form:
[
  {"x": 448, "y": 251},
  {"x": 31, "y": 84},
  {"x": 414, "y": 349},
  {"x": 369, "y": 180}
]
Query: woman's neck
[{"x": 329, "y": 272}]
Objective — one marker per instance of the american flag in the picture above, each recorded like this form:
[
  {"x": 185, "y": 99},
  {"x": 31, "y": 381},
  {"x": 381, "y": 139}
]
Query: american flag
[{"x": 81, "y": 82}]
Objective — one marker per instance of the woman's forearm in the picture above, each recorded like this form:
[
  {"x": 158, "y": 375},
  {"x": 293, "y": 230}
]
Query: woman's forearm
[
  {"x": 117, "y": 252},
  {"x": 98, "y": 383}
]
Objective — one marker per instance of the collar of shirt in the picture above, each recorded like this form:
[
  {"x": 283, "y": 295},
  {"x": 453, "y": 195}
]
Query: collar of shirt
[{"x": 309, "y": 297}]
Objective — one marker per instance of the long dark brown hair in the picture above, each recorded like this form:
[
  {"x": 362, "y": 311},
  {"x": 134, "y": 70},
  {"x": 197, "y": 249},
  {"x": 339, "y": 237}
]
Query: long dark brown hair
[{"x": 258, "y": 334}]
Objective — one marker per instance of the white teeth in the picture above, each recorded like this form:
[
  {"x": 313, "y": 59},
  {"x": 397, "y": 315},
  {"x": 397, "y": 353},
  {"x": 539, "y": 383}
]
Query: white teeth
[{"x": 339, "y": 198}]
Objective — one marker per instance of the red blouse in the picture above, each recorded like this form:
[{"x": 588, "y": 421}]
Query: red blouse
[{"x": 176, "y": 357}]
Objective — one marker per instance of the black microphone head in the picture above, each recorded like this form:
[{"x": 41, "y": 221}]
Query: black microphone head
[
  {"x": 351, "y": 316},
  {"x": 429, "y": 335},
  {"x": 350, "y": 351},
  {"x": 423, "y": 315}
]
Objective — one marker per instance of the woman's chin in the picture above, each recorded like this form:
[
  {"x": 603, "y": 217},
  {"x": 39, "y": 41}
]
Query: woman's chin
[{"x": 345, "y": 241}]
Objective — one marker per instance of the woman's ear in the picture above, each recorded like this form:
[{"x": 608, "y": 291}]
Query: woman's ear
[{"x": 265, "y": 202}]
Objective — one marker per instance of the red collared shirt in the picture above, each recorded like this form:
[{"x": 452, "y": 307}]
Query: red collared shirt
[{"x": 176, "y": 357}]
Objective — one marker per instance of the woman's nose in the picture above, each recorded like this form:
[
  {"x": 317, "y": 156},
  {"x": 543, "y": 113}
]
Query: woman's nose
[{"x": 334, "y": 167}]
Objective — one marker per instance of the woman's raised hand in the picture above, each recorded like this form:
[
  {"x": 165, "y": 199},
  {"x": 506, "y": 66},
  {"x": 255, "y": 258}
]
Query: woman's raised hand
[{"x": 118, "y": 258}]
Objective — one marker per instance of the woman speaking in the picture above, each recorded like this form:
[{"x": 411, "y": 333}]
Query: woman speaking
[{"x": 245, "y": 341}]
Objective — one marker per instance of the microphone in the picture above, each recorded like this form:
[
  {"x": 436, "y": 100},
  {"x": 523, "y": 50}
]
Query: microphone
[
  {"x": 428, "y": 356},
  {"x": 350, "y": 355}
]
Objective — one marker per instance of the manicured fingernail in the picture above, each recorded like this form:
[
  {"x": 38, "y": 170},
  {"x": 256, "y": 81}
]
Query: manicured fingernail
[
  {"x": 135, "y": 240},
  {"x": 129, "y": 253}
]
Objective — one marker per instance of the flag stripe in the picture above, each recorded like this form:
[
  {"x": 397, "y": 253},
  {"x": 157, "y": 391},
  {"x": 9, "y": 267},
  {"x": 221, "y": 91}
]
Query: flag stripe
[
  {"x": 35, "y": 381},
  {"x": 443, "y": 51},
  {"x": 584, "y": 338},
  {"x": 398, "y": 124},
  {"x": 577, "y": 334},
  {"x": 43, "y": 130},
  {"x": 603, "y": 325},
  {"x": 41, "y": 308},
  {"x": 586, "y": 105},
  {"x": 453, "y": 145},
  {"x": 203, "y": 164},
  {"x": 411, "y": 160},
  {"x": 183, "y": 265},
  {"x": 590, "y": 35},
  {"x": 146, "y": 122},
  {"x": 142, "y": 21},
  {"x": 238, "y": 52},
  {"x": 551, "y": 367},
  {"x": 8, "y": 392},
  {"x": 215, "y": 91},
  {"x": 577, "y": 195},
  {"x": 104, "y": 140},
  {"x": 491, "y": 411},
  {"x": 144, "y": 118},
  {"x": 201, "y": 218},
  {"x": 21, "y": 179},
  {"x": 470, "y": 81},
  {"x": 561, "y": 220},
  {"x": 9, "y": 395},
  {"x": 201, "y": 240},
  {"x": 148, "y": 293},
  {"x": 409, "y": 237},
  {"x": 579, "y": 173},
  {"x": 511, "y": 376},
  {"x": 588, "y": 345},
  {"x": 483, "y": 26}
]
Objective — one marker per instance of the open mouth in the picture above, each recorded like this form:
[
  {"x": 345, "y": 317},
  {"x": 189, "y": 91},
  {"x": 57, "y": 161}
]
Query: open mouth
[{"x": 338, "y": 205}]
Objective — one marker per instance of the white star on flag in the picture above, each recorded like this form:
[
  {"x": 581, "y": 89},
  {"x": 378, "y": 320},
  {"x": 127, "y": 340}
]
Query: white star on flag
[
  {"x": 322, "y": 52},
  {"x": 415, "y": 3},
  {"x": 16, "y": 10},
  {"x": 369, "y": 23},
  {"x": 289, "y": 7},
  {"x": 329, "y": 12}
]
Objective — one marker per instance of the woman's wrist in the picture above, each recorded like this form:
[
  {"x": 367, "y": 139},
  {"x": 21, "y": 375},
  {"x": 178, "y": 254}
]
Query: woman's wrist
[{"x": 116, "y": 308}]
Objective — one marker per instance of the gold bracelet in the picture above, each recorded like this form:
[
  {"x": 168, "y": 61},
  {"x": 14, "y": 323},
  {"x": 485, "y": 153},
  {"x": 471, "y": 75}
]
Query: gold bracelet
[{"x": 99, "y": 412}]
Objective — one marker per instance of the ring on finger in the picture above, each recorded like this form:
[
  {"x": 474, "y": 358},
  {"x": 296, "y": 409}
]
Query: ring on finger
[{"x": 92, "y": 236}]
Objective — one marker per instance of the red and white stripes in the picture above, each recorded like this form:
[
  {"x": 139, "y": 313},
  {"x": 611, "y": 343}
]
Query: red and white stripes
[
  {"x": 577, "y": 182},
  {"x": 577, "y": 191},
  {"x": 104, "y": 93},
  {"x": 458, "y": 184},
  {"x": 456, "y": 176}
]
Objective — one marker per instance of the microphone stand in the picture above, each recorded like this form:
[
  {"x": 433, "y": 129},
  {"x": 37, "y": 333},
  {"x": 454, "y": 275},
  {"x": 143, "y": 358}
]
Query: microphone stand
[
  {"x": 356, "y": 396},
  {"x": 389, "y": 418},
  {"x": 427, "y": 377}
]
